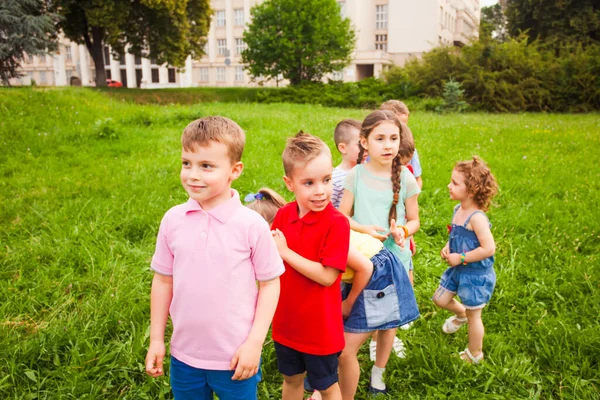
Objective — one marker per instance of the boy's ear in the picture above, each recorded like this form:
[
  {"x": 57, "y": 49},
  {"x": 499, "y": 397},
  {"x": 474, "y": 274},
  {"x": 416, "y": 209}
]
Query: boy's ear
[
  {"x": 236, "y": 170},
  {"x": 288, "y": 183},
  {"x": 342, "y": 148}
]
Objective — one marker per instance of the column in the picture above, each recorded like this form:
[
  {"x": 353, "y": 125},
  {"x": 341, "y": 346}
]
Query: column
[
  {"x": 163, "y": 75},
  {"x": 130, "y": 69},
  {"x": 84, "y": 65},
  {"x": 146, "y": 74},
  {"x": 186, "y": 77},
  {"x": 115, "y": 69},
  {"x": 229, "y": 73},
  {"x": 60, "y": 73}
]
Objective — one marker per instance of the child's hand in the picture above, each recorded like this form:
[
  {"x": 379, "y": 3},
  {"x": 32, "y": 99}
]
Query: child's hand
[
  {"x": 453, "y": 259},
  {"x": 397, "y": 234},
  {"x": 280, "y": 241},
  {"x": 154, "y": 358},
  {"x": 346, "y": 308},
  {"x": 413, "y": 245},
  {"x": 445, "y": 252},
  {"x": 374, "y": 230},
  {"x": 245, "y": 360}
]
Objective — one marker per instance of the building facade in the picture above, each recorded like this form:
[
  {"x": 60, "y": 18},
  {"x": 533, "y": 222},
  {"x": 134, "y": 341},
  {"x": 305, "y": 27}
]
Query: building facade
[{"x": 388, "y": 32}]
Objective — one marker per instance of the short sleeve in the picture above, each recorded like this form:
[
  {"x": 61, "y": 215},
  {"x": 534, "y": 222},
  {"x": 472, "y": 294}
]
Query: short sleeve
[
  {"x": 350, "y": 179},
  {"x": 265, "y": 258},
  {"x": 410, "y": 182},
  {"x": 334, "y": 252},
  {"x": 416, "y": 164},
  {"x": 162, "y": 260}
]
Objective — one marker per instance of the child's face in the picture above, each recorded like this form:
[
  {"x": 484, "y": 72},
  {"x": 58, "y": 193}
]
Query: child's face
[
  {"x": 383, "y": 143},
  {"x": 457, "y": 187},
  {"x": 312, "y": 184},
  {"x": 350, "y": 150},
  {"x": 207, "y": 173},
  {"x": 404, "y": 160}
]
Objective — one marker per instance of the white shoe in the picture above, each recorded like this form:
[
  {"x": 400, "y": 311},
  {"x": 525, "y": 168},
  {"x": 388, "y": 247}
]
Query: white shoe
[
  {"x": 373, "y": 350},
  {"x": 398, "y": 347},
  {"x": 406, "y": 326}
]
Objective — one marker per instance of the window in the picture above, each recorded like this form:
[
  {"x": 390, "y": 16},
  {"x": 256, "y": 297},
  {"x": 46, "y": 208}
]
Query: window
[
  {"x": 172, "y": 75},
  {"x": 381, "y": 16},
  {"x": 381, "y": 42},
  {"x": 43, "y": 77},
  {"x": 108, "y": 74},
  {"x": 239, "y": 16},
  {"x": 138, "y": 60},
  {"x": 69, "y": 73},
  {"x": 338, "y": 75},
  {"x": 42, "y": 58},
  {"x": 222, "y": 47},
  {"x": 221, "y": 74},
  {"x": 204, "y": 74},
  {"x": 155, "y": 75},
  {"x": 239, "y": 74},
  {"x": 106, "y": 55},
  {"x": 342, "y": 5},
  {"x": 220, "y": 18},
  {"x": 239, "y": 45},
  {"x": 68, "y": 55}
]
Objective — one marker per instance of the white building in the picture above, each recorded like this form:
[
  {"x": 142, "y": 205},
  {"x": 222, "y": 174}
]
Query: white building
[{"x": 388, "y": 32}]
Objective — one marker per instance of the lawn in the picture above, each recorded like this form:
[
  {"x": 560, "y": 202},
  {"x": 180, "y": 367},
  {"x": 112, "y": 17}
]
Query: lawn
[{"x": 85, "y": 179}]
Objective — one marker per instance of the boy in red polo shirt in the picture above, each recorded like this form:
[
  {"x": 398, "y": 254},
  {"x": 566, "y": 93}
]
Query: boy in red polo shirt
[{"x": 313, "y": 239}]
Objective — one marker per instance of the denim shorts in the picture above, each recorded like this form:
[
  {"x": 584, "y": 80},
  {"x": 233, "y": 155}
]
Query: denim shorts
[
  {"x": 474, "y": 286},
  {"x": 388, "y": 301},
  {"x": 189, "y": 383},
  {"x": 321, "y": 371}
]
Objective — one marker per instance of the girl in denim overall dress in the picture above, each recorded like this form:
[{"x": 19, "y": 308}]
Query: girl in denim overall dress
[{"x": 469, "y": 254}]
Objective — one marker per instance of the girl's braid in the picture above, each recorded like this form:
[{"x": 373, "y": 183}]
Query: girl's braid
[
  {"x": 396, "y": 170},
  {"x": 361, "y": 153}
]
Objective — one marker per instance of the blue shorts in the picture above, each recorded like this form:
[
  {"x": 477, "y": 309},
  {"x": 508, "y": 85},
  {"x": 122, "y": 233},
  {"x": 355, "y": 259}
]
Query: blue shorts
[
  {"x": 474, "y": 286},
  {"x": 192, "y": 383},
  {"x": 388, "y": 301},
  {"x": 321, "y": 371}
]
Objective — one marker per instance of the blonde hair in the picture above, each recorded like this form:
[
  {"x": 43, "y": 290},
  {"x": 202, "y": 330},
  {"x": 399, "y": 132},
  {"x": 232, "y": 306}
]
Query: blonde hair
[
  {"x": 342, "y": 131},
  {"x": 479, "y": 180},
  {"x": 268, "y": 205},
  {"x": 215, "y": 129},
  {"x": 396, "y": 106},
  {"x": 301, "y": 149},
  {"x": 407, "y": 142},
  {"x": 371, "y": 122}
]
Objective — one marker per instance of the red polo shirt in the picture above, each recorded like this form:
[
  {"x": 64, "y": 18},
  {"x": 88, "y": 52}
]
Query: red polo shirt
[{"x": 309, "y": 315}]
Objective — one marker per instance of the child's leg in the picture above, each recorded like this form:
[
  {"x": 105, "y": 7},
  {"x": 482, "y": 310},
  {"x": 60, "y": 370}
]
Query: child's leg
[
  {"x": 385, "y": 342},
  {"x": 411, "y": 277},
  {"x": 331, "y": 393},
  {"x": 349, "y": 368},
  {"x": 293, "y": 387},
  {"x": 476, "y": 331},
  {"x": 445, "y": 299}
]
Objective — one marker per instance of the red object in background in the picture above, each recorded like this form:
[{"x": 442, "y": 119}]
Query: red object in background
[
  {"x": 449, "y": 228},
  {"x": 111, "y": 83}
]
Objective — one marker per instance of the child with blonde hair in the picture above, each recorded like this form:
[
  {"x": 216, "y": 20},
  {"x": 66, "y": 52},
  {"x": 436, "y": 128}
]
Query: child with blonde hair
[{"x": 469, "y": 254}]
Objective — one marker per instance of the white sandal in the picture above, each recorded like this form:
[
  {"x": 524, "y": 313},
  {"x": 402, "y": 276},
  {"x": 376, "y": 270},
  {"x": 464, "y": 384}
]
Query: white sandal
[
  {"x": 471, "y": 359},
  {"x": 449, "y": 325}
]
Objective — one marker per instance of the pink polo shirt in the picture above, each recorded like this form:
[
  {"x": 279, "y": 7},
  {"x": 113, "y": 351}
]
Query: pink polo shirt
[{"x": 215, "y": 258}]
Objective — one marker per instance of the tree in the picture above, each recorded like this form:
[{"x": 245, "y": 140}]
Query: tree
[
  {"x": 493, "y": 24},
  {"x": 165, "y": 30},
  {"x": 26, "y": 27},
  {"x": 301, "y": 40},
  {"x": 555, "y": 21}
]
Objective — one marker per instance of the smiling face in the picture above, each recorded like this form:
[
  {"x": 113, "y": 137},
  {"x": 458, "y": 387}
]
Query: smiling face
[
  {"x": 457, "y": 187},
  {"x": 207, "y": 173},
  {"x": 382, "y": 143},
  {"x": 311, "y": 184}
]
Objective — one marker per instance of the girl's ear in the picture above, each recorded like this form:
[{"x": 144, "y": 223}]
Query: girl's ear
[{"x": 364, "y": 143}]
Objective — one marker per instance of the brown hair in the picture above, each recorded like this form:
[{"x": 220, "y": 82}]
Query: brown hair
[
  {"x": 301, "y": 149},
  {"x": 371, "y": 122},
  {"x": 215, "y": 129},
  {"x": 479, "y": 181},
  {"x": 269, "y": 204},
  {"x": 407, "y": 142},
  {"x": 342, "y": 131},
  {"x": 395, "y": 106}
]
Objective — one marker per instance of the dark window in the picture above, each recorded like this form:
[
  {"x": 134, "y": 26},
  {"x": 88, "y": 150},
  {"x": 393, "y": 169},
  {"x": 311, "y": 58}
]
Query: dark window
[
  {"x": 124, "y": 77},
  {"x": 122, "y": 59},
  {"x": 108, "y": 74},
  {"x": 153, "y": 60},
  {"x": 154, "y": 75},
  {"x": 138, "y": 77},
  {"x": 106, "y": 56},
  {"x": 138, "y": 60},
  {"x": 171, "y": 75}
]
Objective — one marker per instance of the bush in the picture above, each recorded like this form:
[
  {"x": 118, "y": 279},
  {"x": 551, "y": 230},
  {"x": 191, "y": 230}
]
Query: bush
[{"x": 453, "y": 94}]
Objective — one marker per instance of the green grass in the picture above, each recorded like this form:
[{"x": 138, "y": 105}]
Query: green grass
[{"x": 85, "y": 179}]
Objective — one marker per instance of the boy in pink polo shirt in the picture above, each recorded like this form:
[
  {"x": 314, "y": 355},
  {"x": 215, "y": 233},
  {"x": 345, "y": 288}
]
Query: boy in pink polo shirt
[
  {"x": 209, "y": 254},
  {"x": 313, "y": 240}
]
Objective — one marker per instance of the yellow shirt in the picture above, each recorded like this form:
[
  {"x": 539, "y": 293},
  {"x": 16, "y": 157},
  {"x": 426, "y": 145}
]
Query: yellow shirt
[{"x": 367, "y": 245}]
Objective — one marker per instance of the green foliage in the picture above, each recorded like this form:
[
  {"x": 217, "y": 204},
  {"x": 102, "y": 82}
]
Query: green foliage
[
  {"x": 493, "y": 24},
  {"x": 79, "y": 219},
  {"x": 26, "y": 26},
  {"x": 300, "y": 40},
  {"x": 106, "y": 129},
  {"x": 452, "y": 98},
  {"x": 165, "y": 30},
  {"x": 513, "y": 76},
  {"x": 555, "y": 22}
]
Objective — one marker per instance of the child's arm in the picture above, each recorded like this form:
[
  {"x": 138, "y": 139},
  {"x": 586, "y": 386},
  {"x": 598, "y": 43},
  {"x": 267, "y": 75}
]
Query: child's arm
[
  {"x": 445, "y": 251},
  {"x": 412, "y": 221},
  {"x": 160, "y": 301},
  {"x": 247, "y": 357},
  {"x": 487, "y": 246},
  {"x": 346, "y": 209},
  {"x": 363, "y": 270},
  {"x": 313, "y": 270}
]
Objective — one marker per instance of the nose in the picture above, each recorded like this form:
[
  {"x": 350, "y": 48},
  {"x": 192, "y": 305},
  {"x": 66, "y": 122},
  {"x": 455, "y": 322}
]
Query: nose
[{"x": 194, "y": 174}]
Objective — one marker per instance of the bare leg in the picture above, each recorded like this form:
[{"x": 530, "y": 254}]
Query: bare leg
[
  {"x": 447, "y": 301},
  {"x": 349, "y": 368},
  {"x": 411, "y": 277},
  {"x": 293, "y": 387},
  {"x": 476, "y": 331},
  {"x": 332, "y": 392},
  {"x": 385, "y": 343}
]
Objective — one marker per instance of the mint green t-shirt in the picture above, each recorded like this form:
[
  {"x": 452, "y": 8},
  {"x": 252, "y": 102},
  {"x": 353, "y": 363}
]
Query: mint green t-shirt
[{"x": 373, "y": 198}]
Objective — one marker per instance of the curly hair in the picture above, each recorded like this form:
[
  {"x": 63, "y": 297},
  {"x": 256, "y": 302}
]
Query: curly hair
[{"x": 479, "y": 180}]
